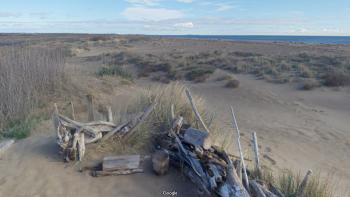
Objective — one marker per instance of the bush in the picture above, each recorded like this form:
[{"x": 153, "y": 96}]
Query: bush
[
  {"x": 198, "y": 74},
  {"x": 233, "y": 83},
  {"x": 20, "y": 129},
  {"x": 224, "y": 78},
  {"x": 335, "y": 78},
  {"x": 309, "y": 84},
  {"x": 116, "y": 71}
]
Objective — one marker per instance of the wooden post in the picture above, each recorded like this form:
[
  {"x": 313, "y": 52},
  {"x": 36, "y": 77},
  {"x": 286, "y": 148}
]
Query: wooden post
[
  {"x": 207, "y": 141},
  {"x": 303, "y": 184},
  {"x": 73, "y": 112},
  {"x": 256, "y": 153},
  {"x": 109, "y": 114},
  {"x": 91, "y": 116},
  {"x": 55, "y": 108},
  {"x": 172, "y": 112},
  {"x": 235, "y": 126}
]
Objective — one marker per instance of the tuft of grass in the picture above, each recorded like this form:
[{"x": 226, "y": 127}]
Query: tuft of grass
[
  {"x": 159, "y": 121},
  {"x": 115, "y": 70},
  {"x": 20, "y": 129},
  {"x": 233, "y": 83}
]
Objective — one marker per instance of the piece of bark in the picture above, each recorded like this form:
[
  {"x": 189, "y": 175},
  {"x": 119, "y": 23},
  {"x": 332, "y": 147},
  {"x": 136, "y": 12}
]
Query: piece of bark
[
  {"x": 124, "y": 162},
  {"x": 115, "y": 173},
  {"x": 257, "y": 189}
]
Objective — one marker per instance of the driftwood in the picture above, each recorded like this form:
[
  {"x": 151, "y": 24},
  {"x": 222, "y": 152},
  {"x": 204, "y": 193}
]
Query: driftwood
[
  {"x": 124, "y": 162},
  {"x": 207, "y": 141},
  {"x": 73, "y": 135},
  {"x": 303, "y": 184},
  {"x": 91, "y": 116},
  {"x": 160, "y": 162},
  {"x": 256, "y": 153},
  {"x": 235, "y": 126},
  {"x": 257, "y": 189},
  {"x": 114, "y": 173},
  {"x": 4, "y": 145}
]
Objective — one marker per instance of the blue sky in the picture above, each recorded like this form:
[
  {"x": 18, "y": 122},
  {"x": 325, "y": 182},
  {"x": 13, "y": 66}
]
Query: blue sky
[{"x": 207, "y": 17}]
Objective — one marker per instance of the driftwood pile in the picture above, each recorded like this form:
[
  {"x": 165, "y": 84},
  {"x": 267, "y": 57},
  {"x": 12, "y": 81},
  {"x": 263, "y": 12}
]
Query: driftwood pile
[
  {"x": 72, "y": 136},
  {"x": 213, "y": 170}
]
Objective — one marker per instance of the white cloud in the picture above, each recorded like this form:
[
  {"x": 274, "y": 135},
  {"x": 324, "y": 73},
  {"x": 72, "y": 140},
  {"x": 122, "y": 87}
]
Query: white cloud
[
  {"x": 9, "y": 14},
  {"x": 224, "y": 7},
  {"x": 143, "y": 2},
  {"x": 151, "y": 14},
  {"x": 185, "y": 1},
  {"x": 184, "y": 25},
  {"x": 332, "y": 30}
]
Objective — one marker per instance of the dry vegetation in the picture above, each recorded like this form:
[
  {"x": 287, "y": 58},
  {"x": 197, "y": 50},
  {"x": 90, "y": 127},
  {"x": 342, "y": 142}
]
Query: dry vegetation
[{"x": 26, "y": 74}]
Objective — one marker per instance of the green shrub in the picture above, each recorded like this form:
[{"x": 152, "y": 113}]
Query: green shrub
[
  {"x": 198, "y": 74},
  {"x": 116, "y": 71},
  {"x": 20, "y": 129}
]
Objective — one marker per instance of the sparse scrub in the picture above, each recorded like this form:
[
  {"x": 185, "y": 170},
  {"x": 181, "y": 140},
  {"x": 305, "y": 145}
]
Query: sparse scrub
[
  {"x": 233, "y": 83},
  {"x": 309, "y": 84},
  {"x": 20, "y": 129},
  {"x": 198, "y": 74},
  {"x": 335, "y": 78},
  {"x": 26, "y": 73},
  {"x": 305, "y": 71},
  {"x": 115, "y": 70}
]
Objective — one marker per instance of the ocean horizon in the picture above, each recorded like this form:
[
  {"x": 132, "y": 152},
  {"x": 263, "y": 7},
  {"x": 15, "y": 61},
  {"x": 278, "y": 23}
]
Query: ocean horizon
[{"x": 272, "y": 38}]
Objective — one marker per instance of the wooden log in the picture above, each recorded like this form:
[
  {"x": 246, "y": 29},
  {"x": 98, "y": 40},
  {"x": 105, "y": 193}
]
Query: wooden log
[
  {"x": 172, "y": 112},
  {"x": 267, "y": 192},
  {"x": 115, "y": 173},
  {"x": 124, "y": 162},
  {"x": 73, "y": 111},
  {"x": 303, "y": 184},
  {"x": 109, "y": 114},
  {"x": 111, "y": 133},
  {"x": 256, "y": 154},
  {"x": 177, "y": 124},
  {"x": 195, "y": 137},
  {"x": 235, "y": 126},
  {"x": 91, "y": 116},
  {"x": 257, "y": 189},
  {"x": 160, "y": 162},
  {"x": 207, "y": 142}
]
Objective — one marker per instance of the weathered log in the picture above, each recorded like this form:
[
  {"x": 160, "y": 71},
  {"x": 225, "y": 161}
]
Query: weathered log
[
  {"x": 257, "y": 189},
  {"x": 111, "y": 133},
  {"x": 4, "y": 145},
  {"x": 235, "y": 126},
  {"x": 195, "y": 137},
  {"x": 177, "y": 124},
  {"x": 256, "y": 153},
  {"x": 267, "y": 192},
  {"x": 118, "y": 172},
  {"x": 172, "y": 112},
  {"x": 124, "y": 162},
  {"x": 276, "y": 191}
]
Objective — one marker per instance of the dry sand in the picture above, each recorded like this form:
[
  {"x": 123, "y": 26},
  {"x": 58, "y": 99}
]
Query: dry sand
[{"x": 296, "y": 129}]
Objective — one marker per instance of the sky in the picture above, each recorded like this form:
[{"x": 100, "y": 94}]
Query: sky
[{"x": 177, "y": 17}]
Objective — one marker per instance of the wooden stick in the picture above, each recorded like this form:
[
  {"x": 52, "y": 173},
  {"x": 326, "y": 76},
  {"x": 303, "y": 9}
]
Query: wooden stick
[
  {"x": 109, "y": 114},
  {"x": 172, "y": 112},
  {"x": 194, "y": 108},
  {"x": 235, "y": 126},
  {"x": 118, "y": 172},
  {"x": 303, "y": 184},
  {"x": 73, "y": 112},
  {"x": 91, "y": 116},
  {"x": 256, "y": 153}
]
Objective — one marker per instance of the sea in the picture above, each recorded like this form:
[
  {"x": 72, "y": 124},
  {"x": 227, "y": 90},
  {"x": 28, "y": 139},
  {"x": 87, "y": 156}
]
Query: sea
[{"x": 294, "y": 39}]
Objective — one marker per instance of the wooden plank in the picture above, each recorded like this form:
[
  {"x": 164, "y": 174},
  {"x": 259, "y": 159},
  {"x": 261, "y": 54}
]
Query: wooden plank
[
  {"x": 115, "y": 173},
  {"x": 123, "y": 162}
]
